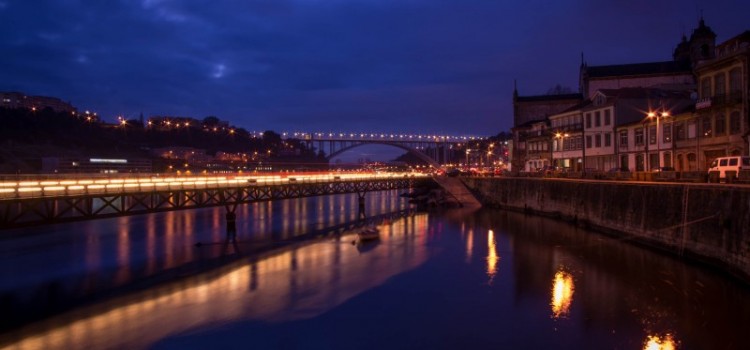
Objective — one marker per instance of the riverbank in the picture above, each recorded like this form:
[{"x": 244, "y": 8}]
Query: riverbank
[{"x": 704, "y": 222}]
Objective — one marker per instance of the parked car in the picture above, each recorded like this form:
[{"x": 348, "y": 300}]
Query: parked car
[
  {"x": 452, "y": 172},
  {"x": 724, "y": 164},
  {"x": 548, "y": 170}
]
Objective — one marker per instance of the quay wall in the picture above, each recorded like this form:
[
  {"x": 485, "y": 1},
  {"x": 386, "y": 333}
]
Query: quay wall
[{"x": 705, "y": 222}]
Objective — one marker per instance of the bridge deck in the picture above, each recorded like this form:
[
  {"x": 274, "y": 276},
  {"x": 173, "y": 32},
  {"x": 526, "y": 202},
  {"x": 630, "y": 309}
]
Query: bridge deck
[{"x": 70, "y": 202}]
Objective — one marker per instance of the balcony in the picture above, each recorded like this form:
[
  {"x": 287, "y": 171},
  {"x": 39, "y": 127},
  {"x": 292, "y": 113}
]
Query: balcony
[{"x": 731, "y": 98}]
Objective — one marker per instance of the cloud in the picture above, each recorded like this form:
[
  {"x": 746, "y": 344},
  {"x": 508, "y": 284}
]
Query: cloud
[
  {"x": 347, "y": 65},
  {"x": 218, "y": 71}
]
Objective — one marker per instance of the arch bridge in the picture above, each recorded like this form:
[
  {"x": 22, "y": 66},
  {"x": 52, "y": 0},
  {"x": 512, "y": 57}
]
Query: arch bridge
[{"x": 435, "y": 150}]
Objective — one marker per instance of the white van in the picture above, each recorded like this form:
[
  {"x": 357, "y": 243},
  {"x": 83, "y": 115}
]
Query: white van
[{"x": 733, "y": 163}]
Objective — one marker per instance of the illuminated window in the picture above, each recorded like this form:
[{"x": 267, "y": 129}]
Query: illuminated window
[
  {"x": 667, "y": 132},
  {"x": 706, "y": 126}
]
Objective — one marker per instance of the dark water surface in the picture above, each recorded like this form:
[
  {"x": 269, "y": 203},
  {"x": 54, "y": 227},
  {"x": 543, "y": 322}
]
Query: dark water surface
[{"x": 452, "y": 279}]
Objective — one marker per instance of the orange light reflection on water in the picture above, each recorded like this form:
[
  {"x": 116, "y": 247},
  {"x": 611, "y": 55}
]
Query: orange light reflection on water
[
  {"x": 562, "y": 294},
  {"x": 492, "y": 257},
  {"x": 655, "y": 342},
  {"x": 296, "y": 283}
]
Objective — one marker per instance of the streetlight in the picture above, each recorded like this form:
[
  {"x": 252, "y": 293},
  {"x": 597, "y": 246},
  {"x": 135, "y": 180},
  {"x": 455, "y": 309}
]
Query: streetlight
[
  {"x": 561, "y": 137},
  {"x": 467, "y": 157},
  {"x": 656, "y": 116}
]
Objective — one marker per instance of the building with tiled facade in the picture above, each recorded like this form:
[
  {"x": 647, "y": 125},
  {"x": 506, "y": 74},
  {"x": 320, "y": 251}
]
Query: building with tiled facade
[
  {"x": 721, "y": 112},
  {"x": 698, "y": 104}
]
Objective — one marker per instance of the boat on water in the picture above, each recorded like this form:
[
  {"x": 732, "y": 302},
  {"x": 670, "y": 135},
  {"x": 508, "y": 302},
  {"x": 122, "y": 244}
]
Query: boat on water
[{"x": 369, "y": 233}]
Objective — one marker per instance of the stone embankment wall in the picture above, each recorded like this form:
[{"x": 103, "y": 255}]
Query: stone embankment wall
[{"x": 707, "y": 222}]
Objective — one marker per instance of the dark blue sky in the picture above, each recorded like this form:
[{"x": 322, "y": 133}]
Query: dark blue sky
[{"x": 332, "y": 65}]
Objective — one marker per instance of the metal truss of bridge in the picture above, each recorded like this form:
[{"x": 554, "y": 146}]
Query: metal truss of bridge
[
  {"x": 433, "y": 149},
  {"x": 34, "y": 203}
]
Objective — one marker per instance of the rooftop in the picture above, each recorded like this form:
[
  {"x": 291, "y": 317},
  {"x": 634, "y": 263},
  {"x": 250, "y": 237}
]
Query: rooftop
[{"x": 649, "y": 68}]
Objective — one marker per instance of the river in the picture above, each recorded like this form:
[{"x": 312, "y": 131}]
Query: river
[{"x": 294, "y": 277}]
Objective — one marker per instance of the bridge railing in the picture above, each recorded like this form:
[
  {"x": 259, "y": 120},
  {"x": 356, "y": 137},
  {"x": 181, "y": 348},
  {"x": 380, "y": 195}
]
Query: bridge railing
[{"x": 10, "y": 190}]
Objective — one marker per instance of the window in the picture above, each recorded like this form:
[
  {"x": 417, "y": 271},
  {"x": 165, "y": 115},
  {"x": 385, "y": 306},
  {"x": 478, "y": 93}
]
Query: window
[
  {"x": 720, "y": 83},
  {"x": 679, "y": 131},
  {"x": 607, "y": 117},
  {"x": 624, "y": 139},
  {"x": 691, "y": 129},
  {"x": 667, "y": 132},
  {"x": 651, "y": 134},
  {"x": 723, "y": 162},
  {"x": 639, "y": 137},
  {"x": 600, "y": 100},
  {"x": 706, "y": 126},
  {"x": 721, "y": 124},
  {"x": 588, "y": 120},
  {"x": 705, "y": 87},
  {"x": 598, "y": 140},
  {"x": 734, "y": 123},
  {"x": 588, "y": 141},
  {"x": 735, "y": 80},
  {"x": 733, "y": 161},
  {"x": 667, "y": 159},
  {"x": 597, "y": 118},
  {"x": 607, "y": 140}
]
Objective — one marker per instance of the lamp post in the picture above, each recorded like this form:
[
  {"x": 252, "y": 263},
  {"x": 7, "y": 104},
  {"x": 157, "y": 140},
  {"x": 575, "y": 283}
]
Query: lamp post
[
  {"x": 467, "y": 157},
  {"x": 561, "y": 149},
  {"x": 657, "y": 116}
]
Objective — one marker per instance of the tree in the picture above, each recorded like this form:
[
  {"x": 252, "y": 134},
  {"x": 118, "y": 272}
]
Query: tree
[
  {"x": 211, "y": 121},
  {"x": 271, "y": 138}
]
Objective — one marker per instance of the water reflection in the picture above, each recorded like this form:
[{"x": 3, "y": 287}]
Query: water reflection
[
  {"x": 296, "y": 283},
  {"x": 655, "y": 342},
  {"x": 418, "y": 288},
  {"x": 469, "y": 244},
  {"x": 562, "y": 294},
  {"x": 492, "y": 257}
]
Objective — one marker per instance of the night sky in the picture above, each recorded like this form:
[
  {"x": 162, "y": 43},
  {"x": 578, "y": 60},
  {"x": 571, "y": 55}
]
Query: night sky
[{"x": 333, "y": 65}]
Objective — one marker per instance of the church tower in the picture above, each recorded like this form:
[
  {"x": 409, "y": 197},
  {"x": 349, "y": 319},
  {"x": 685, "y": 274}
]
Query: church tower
[{"x": 702, "y": 43}]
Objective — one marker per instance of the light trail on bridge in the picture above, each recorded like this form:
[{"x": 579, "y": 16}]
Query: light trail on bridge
[
  {"x": 369, "y": 136},
  {"x": 67, "y": 187}
]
